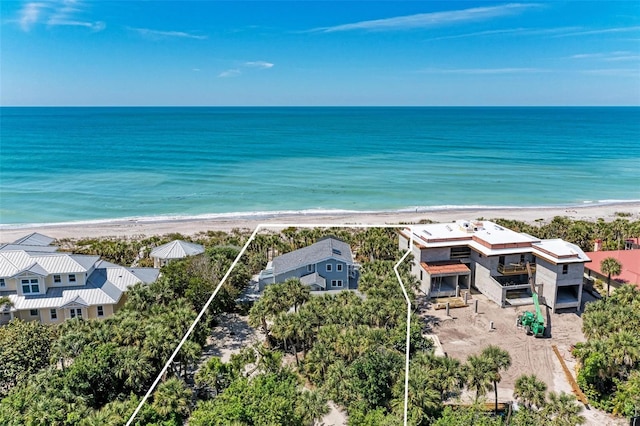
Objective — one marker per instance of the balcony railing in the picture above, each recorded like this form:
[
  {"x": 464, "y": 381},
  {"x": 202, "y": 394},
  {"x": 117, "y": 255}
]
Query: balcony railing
[{"x": 515, "y": 269}]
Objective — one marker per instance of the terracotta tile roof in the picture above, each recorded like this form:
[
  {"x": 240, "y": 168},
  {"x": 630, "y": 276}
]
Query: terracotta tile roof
[
  {"x": 630, "y": 260},
  {"x": 445, "y": 268}
]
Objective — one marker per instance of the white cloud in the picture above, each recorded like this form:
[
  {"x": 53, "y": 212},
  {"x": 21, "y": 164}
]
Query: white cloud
[
  {"x": 621, "y": 55},
  {"x": 95, "y": 26},
  {"x": 514, "y": 31},
  {"x": 230, "y": 73},
  {"x": 623, "y": 58},
  {"x": 258, "y": 64},
  {"x": 196, "y": 69},
  {"x": 159, "y": 34},
  {"x": 602, "y": 31},
  {"x": 429, "y": 20},
  {"x": 58, "y": 13},
  {"x": 233, "y": 72},
  {"x": 29, "y": 14},
  {"x": 586, "y": 55}
]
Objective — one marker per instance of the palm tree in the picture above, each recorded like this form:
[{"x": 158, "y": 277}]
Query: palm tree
[
  {"x": 258, "y": 315},
  {"x": 296, "y": 292},
  {"x": 5, "y": 302},
  {"x": 564, "y": 410},
  {"x": 134, "y": 367},
  {"x": 172, "y": 396},
  {"x": 625, "y": 349},
  {"x": 188, "y": 357},
  {"x": 498, "y": 359},
  {"x": 215, "y": 375},
  {"x": 612, "y": 267},
  {"x": 424, "y": 397},
  {"x": 530, "y": 391},
  {"x": 284, "y": 329},
  {"x": 479, "y": 375},
  {"x": 312, "y": 406}
]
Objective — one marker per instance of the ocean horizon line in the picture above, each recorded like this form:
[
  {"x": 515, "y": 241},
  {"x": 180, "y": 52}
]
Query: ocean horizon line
[
  {"x": 321, "y": 106},
  {"x": 270, "y": 214}
]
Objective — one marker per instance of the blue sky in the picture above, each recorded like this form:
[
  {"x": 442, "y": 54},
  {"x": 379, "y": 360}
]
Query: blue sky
[{"x": 70, "y": 52}]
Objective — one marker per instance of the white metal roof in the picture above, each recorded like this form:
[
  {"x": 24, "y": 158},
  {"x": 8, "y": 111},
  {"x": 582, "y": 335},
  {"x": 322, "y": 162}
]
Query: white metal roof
[
  {"x": 35, "y": 239},
  {"x": 13, "y": 262},
  {"x": 176, "y": 249},
  {"x": 27, "y": 248},
  {"x": 105, "y": 286}
]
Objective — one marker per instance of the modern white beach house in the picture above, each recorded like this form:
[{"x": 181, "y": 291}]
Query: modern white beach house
[
  {"x": 450, "y": 258},
  {"x": 325, "y": 265},
  {"x": 46, "y": 285}
]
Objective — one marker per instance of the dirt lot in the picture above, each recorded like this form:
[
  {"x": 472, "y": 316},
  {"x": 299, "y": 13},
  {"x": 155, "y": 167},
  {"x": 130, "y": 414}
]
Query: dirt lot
[
  {"x": 231, "y": 335},
  {"x": 464, "y": 333}
]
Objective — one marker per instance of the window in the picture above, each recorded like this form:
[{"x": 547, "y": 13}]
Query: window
[
  {"x": 336, "y": 283},
  {"x": 460, "y": 252},
  {"x": 57, "y": 279},
  {"x": 565, "y": 269},
  {"x": 33, "y": 312},
  {"x": 100, "y": 311},
  {"x": 54, "y": 314},
  {"x": 76, "y": 312},
  {"x": 2, "y": 283},
  {"x": 420, "y": 275},
  {"x": 501, "y": 260},
  {"x": 72, "y": 278},
  {"x": 339, "y": 267},
  {"x": 329, "y": 267},
  {"x": 309, "y": 268},
  {"x": 522, "y": 259},
  {"x": 30, "y": 285}
]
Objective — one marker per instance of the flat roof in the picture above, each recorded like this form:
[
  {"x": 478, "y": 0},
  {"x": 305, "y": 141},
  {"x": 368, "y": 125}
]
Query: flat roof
[{"x": 491, "y": 239}]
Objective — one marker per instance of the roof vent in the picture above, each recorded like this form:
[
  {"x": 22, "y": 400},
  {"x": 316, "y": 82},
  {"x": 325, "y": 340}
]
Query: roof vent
[{"x": 336, "y": 251}]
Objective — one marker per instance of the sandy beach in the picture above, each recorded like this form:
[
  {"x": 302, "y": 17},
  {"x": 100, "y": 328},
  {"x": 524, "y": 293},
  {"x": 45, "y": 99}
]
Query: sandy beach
[{"x": 130, "y": 228}]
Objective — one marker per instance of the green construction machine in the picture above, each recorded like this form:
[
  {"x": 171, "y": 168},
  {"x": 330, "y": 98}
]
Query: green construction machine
[{"x": 532, "y": 322}]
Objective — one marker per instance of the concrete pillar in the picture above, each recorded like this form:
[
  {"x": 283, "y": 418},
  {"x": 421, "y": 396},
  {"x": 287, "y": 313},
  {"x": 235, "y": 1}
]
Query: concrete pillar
[
  {"x": 457, "y": 290},
  {"x": 466, "y": 297}
]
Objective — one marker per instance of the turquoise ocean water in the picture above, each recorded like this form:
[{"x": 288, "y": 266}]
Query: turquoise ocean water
[{"x": 86, "y": 164}]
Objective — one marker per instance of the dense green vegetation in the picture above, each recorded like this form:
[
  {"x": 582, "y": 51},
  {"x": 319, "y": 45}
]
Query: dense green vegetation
[
  {"x": 580, "y": 232},
  {"x": 343, "y": 348},
  {"x": 610, "y": 358},
  {"x": 94, "y": 372}
]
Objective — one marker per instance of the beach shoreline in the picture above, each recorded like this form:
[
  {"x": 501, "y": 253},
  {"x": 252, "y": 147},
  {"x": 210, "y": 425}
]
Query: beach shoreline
[{"x": 126, "y": 228}]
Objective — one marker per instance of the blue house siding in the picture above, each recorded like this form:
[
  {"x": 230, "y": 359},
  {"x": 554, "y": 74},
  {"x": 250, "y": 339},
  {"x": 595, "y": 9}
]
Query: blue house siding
[
  {"x": 296, "y": 273},
  {"x": 334, "y": 274},
  {"x": 329, "y": 261}
]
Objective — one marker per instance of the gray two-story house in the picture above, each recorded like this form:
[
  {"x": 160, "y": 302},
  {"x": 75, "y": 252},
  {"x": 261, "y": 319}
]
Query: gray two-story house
[{"x": 325, "y": 265}]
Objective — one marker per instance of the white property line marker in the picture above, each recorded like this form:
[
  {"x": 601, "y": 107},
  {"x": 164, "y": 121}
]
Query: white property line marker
[
  {"x": 235, "y": 262},
  {"x": 406, "y": 296}
]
